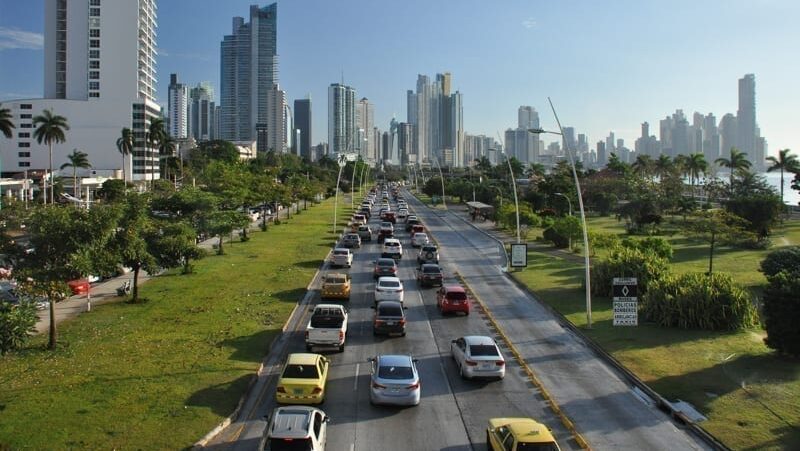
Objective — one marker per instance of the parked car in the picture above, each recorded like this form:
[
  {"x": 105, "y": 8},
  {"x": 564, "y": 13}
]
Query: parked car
[
  {"x": 297, "y": 428},
  {"x": 336, "y": 285},
  {"x": 384, "y": 267},
  {"x": 365, "y": 233},
  {"x": 452, "y": 298},
  {"x": 327, "y": 327},
  {"x": 350, "y": 240},
  {"x": 341, "y": 256},
  {"x": 478, "y": 356},
  {"x": 392, "y": 248},
  {"x": 303, "y": 379},
  {"x": 388, "y": 288},
  {"x": 519, "y": 434},
  {"x": 419, "y": 239},
  {"x": 390, "y": 318},
  {"x": 428, "y": 253},
  {"x": 430, "y": 274},
  {"x": 394, "y": 380}
]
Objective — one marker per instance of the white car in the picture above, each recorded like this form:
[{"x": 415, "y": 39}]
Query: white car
[
  {"x": 388, "y": 289},
  {"x": 297, "y": 427},
  {"x": 402, "y": 215},
  {"x": 392, "y": 248},
  {"x": 419, "y": 239},
  {"x": 478, "y": 356},
  {"x": 341, "y": 256}
]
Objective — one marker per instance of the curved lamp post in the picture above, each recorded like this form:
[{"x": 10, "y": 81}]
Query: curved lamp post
[
  {"x": 514, "y": 185},
  {"x": 580, "y": 205},
  {"x": 569, "y": 202}
]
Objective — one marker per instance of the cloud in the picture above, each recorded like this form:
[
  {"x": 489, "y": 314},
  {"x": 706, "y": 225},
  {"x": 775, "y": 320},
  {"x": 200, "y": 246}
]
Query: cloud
[
  {"x": 185, "y": 55},
  {"x": 529, "y": 23},
  {"x": 12, "y": 38}
]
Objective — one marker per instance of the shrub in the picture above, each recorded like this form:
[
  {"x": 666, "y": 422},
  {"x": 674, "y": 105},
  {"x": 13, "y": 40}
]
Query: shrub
[
  {"x": 699, "y": 301},
  {"x": 782, "y": 312},
  {"x": 568, "y": 227},
  {"x": 786, "y": 259},
  {"x": 554, "y": 237},
  {"x": 655, "y": 245},
  {"x": 16, "y": 324},
  {"x": 600, "y": 240},
  {"x": 627, "y": 262}
]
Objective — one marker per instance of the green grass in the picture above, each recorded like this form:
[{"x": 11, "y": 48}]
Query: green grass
[
  {"x": 749, "y": 394},
  {"x": 161, "y": 374}
]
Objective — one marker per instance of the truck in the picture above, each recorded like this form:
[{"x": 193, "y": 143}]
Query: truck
[{"x": 327, "y": 327}]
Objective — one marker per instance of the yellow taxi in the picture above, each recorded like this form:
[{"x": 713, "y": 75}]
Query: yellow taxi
[
  {"x": 519, "y": 434},
  {"x": 303, "y": 379},
  {"x": 336, "y": 286}
]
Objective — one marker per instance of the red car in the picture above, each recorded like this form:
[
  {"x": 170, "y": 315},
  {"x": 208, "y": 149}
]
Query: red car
[{"x": 451, "y": 299}]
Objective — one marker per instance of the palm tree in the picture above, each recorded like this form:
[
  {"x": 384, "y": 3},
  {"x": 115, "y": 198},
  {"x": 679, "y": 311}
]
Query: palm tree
[
  {"x": 125, "y": 147},
  {"x": 643, "y": 166},
  {"x": 50, "y": 130},
  {"x": 663, "y": 166},
  {"x": 784, "y": 162},
  {"x": 77, "y": 159},
  {"x": 5, "y": 128},
  {"x": 737, "y": 162},
  {"x": 681, "y": 162},
  {"x": 696, "y": 164},
  {"x": 155, "y": 136},
  {"x": 166, "y": 149}
]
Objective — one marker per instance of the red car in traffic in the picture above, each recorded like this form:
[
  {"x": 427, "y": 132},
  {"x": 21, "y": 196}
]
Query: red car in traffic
[{"x": 452, "y": 299}]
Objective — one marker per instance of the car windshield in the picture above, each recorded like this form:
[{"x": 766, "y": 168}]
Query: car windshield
[
  {"x": 389, "y": 284},
  {"x": 340, "y": 252},
  {"x": 537, "y": 447},
  {"x": 301, "y": 372},
  {"x": 336, "y": 279},
  {"x": 290, "y": 444},
  {"x": 430, "y": 269},
  {"x": 386, "y": 263},
  {"x": 457, "y": 296},
  {"x": 390, "y": 310},
  {"x": 429, "y": 249},
  {"x": 391, "y": 244},
  {"x": 483, "y": 350},
  {"x": 395, "y": 372}
]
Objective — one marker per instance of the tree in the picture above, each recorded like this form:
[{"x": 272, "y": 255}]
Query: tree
[
  {"x": 782, "y": 312},
  {"x": 5, "y": 122},
  {"x": 784, "y": 162},
  {"x": 112, "y": 191},
  {"x": 77, "y": 159},
  {"x": 736, "y": 163},
  {"x": 17, "y": 323},
  {"x": 50, "y": 130},
  {"x": 483, "y": 164},
  {"x": 717, "y": 226},
  {"x": 129, "y": 244},
  {"x": 173, "y": 244},
  {"x": 696, "y": 164},
  {"x": 223, "y": 222},
  {"x": 616, "y": 165},
  {"x": 663, "y": 166},
  {"x": 569, "y": 227},
  {"x": 643, "y": 166},
  {"x": 125, "y": 147},
  {"x": 156, "y": 134},
  {"x": 166, "y": 149}
]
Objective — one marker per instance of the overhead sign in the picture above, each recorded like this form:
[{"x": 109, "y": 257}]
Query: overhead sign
[
  {"x": 519, "y": 255},
  {"x": 626, "y": 302}
]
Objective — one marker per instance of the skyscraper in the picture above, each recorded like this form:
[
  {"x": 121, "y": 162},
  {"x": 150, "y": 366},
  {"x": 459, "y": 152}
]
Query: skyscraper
[
  {"x": 302, "y": 122},
  {"x": 437, "y": 118},
  {"x": 728, "y": 134},
  {"x": 202, "y": 111},
  {"x": 747, "y": 129},
  {"x": 341, "y": 118},
  {"x": 248, "y": 73},
  {"x": 178, "y": 108},
  {"x": 365, "y": 122},
  {"x": 278, "y": 121},
  {"x": 527, "y": 117}
]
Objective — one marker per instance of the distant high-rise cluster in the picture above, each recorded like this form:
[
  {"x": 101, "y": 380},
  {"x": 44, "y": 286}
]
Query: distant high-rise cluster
[
  {"x": 341, "y": 119},
  {"x": 437, "y": 118}
]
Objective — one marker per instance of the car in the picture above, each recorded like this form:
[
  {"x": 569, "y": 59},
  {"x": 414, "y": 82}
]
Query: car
[
  {"x": 411, "y": 222},
  {"x": 452, "y": 298},
  {"x": 402, "y": 215},
  {"x": 386, "y": 226},
  {"x": 394, "y": 380},
  {"x": 359, "y": 219},
  {"x": 430, "y": 274},
  {"x": 366, "y": 211},
  {"x": 428, "y": 253},
  {"x": 303, "y": 379},
  {"x": 365, "y": 233},
  {"x": 383, "y": 235},
  {"x": 327, "y": 327},
  {"x": 384, "y": 267},
  {"x": 478, "y": 356},
  {"x": 417, "y": 228},
  {"x": 297, "y": 428},
  {"x": 390, "y": 216},
  {"x": 389, "y": 319},
  {"x": 392, "y": 248},
  {"x": 350, "y": 240},
  {"x": 336, "y": 285},
  {"x": 341, "y": 256},
  {"x": 388, "y": 288},
  {"x": 419, "y": 239},
  {"x": 519, "y": 434}
]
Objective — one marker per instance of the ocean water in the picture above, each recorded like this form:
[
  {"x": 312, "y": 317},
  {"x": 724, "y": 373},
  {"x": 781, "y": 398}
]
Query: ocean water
[{"x": 790, "y": 196}]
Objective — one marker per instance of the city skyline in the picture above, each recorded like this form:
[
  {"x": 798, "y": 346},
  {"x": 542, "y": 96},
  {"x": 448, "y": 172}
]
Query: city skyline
[{"x": 597, "y": 75}]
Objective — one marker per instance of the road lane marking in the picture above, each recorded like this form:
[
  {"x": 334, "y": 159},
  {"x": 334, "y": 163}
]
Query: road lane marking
[{"x": 355, "y": 380}]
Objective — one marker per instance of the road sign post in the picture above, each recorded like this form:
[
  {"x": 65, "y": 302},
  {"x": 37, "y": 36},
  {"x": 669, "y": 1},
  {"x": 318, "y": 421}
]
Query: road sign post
[
  {"x": 626, "y": 301},
  {"x": 519, "y": 255}
]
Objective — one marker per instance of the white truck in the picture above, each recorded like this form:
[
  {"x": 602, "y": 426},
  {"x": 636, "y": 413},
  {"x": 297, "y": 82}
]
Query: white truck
[{"x": 327, "y": 327}]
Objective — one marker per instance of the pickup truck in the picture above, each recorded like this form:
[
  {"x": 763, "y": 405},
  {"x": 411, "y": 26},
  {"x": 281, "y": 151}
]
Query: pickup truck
[{"x": 327, "y": 327}]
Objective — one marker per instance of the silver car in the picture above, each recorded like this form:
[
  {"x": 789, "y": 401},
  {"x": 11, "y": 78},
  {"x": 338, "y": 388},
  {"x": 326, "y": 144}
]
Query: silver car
[
  {"x": 394, "y": 380},
  {"x": 478, "y": 356}
]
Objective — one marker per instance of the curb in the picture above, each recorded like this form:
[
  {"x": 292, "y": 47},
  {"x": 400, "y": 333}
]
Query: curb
[{"x": 568, "y": 424}]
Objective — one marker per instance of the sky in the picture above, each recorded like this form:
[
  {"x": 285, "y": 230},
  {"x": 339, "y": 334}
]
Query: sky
[{"x": 607, "y": 65}]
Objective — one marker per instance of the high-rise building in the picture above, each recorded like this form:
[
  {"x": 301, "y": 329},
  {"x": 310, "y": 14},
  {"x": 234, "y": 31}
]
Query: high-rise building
[
  {"x": 728, "y": 134},
  {"x": 248, "y": 73},
  {"x": 747, "y": 128},
  {"x": 527, "y": 117},
  {"x": 437, "y": 116},
  {"x": 202, "y": 112},
  {"x": 711, "y": 138},
  {"x": 278, "y": 123},
  {"x": 341, "y": 118},
  {"x": 178, "y": 108},
  {"x": 302, "y": 122},
  {"x": 365, "y": 121},
  {"x": 99, "y": 73}
]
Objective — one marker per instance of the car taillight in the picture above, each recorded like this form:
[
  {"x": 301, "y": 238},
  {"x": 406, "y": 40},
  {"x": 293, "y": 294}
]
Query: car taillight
[
  {"x": 470, "y": 363},
  {"x": 306, "y": 335},
  {"x": 281, "y": 389},
  {"x": 377, "y": 385},
  {"x": 341, "y": 335},
  {"x": 400, "y": 290},
  {"x": 378, "y": 322},
  {"x": 413, "y": 386},
  {"x": 316, "y": 391},
  {"x": 402, "y": 322},
  {"x": 500, "y": 363}
]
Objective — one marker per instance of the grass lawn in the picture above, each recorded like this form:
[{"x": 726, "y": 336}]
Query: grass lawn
[
  {"x": 749, "y": 395},
  {"x": 161, "y": 374}
]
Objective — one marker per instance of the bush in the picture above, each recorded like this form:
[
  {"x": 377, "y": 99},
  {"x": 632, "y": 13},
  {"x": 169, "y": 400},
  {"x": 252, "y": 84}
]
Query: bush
[
  {"x": 554, "y": 237},
  {"x": 782, "y": 312},
  {"x": 600, "y": 240},
  {"x": 16, "y": 324},
  {"x": 656, "y": 245},
  {"x": 786, "y": 259},
  {"x": 627, "y": 262},
  {"x": 699, "y": 301}
]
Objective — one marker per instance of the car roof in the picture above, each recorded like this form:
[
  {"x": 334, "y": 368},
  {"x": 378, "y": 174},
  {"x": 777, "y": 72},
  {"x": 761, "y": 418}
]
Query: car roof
[
  {"x": 397, "y": 304},
  {"x": 336, "y": 274},
  {"x": 388, "y": 279},
  {"x": 341, "y": 249},
  {"x": 428, "y": 247},
  {"x": 395, "y": 360},
  {"x": 478, "y": 340},
  {"x": 391, "y": 240},
  {"x": 291, "y": 421},
  {"x": 430, "y": 265},
  {"x": 386, "y": 260},
  {"x": 526, "y": 430},
  {"x": 420, "y": 234},
  {"x": 454, "y": 288},
  {"x": 302, "y": 358}
]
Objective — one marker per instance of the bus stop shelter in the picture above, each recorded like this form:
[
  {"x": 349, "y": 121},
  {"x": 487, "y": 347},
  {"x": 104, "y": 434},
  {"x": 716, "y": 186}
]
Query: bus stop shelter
[{"x": 479, "y": 210}]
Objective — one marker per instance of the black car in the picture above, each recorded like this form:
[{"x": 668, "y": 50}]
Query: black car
[
  {"x": 430, "y": 274},
  {"x": 390, "y": 318},
  {"x": 366, "y": 212}
]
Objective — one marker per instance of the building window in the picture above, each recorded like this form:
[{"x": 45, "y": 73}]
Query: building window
[
  {"x": 94, "y": 2},
  {"x": 26, "y": 125},
  {"x": 24, "y": 164},
  {"x": 94, "y": 33},
  {"x": 94, "y": 64},
  {"x": 23, "y": 144},
  {"x": 94, "y": 94},
  {"x": 25, "y": 116},
  {"x": 26, "y": 106},
  {"x": 94, "y": 75},
  {"x": 94, "y": 43},
  {"x": 94, "y": 12},
  {"x": 94, "y": 85},
  {"x": 94, "y": 22},
  {"x": 24, "y": 154},
  {"x": 94, "y": 53},
  {"x": 23, "y": 135}
]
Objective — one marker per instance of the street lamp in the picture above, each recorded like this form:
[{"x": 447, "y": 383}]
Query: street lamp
[
  {"x": 441, "y": 177},
  {"x": 342, "y": 162},
  {"x": 514, "y": 185},
  {"x": 569, "y": 202},
  {"x": 580, "y": 205}
]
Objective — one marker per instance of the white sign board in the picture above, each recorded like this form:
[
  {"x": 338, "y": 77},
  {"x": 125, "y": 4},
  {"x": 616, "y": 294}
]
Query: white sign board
[
  {"x": 519, "y": 255},
  {"x": 626, "y": 305}
]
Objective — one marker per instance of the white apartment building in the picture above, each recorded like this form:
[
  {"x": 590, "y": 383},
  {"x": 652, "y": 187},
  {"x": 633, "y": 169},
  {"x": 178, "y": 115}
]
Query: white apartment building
[
  {"x": 178, "y": 108},
  {"x": 100, "y": 74}
]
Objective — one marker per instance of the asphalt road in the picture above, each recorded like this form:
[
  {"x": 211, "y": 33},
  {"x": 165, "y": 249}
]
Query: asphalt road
[{"x": 453, "y": 412}]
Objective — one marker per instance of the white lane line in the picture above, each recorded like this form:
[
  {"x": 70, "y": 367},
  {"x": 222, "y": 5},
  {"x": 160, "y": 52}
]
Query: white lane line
[{"x": 355, "y": 380}]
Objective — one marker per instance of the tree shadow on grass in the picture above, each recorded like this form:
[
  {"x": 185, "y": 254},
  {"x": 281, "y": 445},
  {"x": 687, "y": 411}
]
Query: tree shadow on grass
[
  {"x": 221, "y": 398},
  {"x": 293, "y": 296},
  {"x": 311, "y": 264},
  {"x": 250, "y": 348}
]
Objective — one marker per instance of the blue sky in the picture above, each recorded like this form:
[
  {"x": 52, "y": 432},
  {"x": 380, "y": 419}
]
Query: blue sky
[{"x": 607, "y": 65}]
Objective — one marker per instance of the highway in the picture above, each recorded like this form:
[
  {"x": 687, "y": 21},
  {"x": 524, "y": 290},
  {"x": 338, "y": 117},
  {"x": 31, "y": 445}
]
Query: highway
[{"x": 453, "y": 412}]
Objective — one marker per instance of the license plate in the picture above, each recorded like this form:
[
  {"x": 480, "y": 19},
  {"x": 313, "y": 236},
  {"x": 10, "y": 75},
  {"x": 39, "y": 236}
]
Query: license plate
[
  {"x": 390, "y": 323},
  {"x": 486, "y": 366},
  {"x": 298, "y": 391}
]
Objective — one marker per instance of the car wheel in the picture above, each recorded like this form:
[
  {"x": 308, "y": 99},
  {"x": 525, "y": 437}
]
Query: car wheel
[
  {"x": 461, "y": 372},
  {"x": 374, "y": 332},
  {"x": 488, "y": 443},
  {"x": 403, "y": 334},
  {"x": 309, "y": 348},
  {"x": 341, "y": 348}
]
